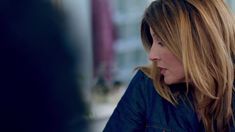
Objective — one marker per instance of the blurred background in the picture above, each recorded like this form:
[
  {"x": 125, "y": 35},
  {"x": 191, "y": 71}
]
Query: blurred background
[
  {"x": 111, "y": 49},
  {"x": 105, "y": 35}
]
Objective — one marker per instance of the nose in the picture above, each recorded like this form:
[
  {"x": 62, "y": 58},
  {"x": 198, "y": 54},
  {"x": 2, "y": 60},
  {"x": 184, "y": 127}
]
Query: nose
[{"x": 154, "y": 53}]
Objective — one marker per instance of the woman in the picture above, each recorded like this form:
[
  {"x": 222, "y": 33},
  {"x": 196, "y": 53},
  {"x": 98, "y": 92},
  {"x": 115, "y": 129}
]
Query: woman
[{"x": 189, "y": 85}]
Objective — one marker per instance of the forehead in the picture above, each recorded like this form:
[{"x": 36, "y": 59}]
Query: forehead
[
  {"x": 153, "y": 34},
  {"x": 151, "y": 30}
]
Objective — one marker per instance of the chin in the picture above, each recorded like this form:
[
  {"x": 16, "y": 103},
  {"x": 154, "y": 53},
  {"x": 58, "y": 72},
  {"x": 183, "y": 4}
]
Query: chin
[{"x": 169, "y": 81}]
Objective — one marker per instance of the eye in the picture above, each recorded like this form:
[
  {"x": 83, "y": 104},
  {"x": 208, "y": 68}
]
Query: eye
[
  {"x": 158, "y": 42},
  {"x": 161, "y": 44},
  {"x": 154, "y": 38}
]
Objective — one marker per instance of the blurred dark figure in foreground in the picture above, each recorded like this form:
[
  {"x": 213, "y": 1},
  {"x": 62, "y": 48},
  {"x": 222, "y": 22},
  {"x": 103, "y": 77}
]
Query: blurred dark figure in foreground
[{"x": 38, "y": 81}]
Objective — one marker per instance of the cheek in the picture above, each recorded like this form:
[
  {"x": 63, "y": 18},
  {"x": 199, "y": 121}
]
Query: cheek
[
  {"x": 175, "y": 68},
  {"x": 177, "y": 71},
  {"x": 174, "y": 75}
]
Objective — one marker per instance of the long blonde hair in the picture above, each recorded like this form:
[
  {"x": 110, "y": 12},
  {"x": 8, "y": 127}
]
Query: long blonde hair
[{"x": 201, "y": 33}]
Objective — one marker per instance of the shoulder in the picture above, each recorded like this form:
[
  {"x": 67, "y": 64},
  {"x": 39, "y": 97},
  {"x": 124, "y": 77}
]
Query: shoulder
[
  {"x": 138, "y": 87},
  {"x": 140, "y": 76},
  {"x": 130, "y": 113},
  {"x": 140, "y": 82},
  {"x": 140, "y": 91}
]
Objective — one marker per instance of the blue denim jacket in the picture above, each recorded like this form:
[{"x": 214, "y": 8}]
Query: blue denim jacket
[{"x": 142, "y": 109}]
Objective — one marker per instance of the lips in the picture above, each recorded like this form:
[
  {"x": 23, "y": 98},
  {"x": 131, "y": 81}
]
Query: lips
[{"x": 162, "y": 70}]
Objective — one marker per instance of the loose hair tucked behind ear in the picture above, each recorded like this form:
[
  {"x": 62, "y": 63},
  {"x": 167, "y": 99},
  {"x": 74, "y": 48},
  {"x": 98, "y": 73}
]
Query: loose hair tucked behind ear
[{"x": 201, "y": 34}]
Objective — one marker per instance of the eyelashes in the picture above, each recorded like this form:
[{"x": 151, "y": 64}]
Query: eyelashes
[
  {"x": 157, "y": 41},
  {"x": 153, "y": 38},
  {"x": 160, "y": 43}
]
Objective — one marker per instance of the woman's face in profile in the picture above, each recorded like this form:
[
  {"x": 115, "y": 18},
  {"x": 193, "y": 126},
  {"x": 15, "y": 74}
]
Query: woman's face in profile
[{"x": 170, "y": 67}]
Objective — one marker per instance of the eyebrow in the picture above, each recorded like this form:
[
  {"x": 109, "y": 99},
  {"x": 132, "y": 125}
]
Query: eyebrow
[{"x": 155, "y": 36}]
